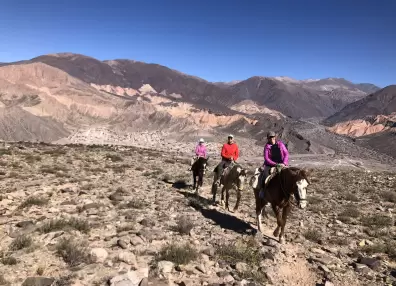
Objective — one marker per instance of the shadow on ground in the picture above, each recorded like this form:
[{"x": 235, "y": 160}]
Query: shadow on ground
[
  {"x": 223, "y": 220},
  {"x": 181, "y": 184}
]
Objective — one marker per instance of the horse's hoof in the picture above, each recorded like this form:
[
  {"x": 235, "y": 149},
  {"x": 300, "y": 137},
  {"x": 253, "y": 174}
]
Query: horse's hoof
[
  {"x": 276, "y": 232},
  {"x": 222, "y": 203},
  {"x": 235, "y": 210},
  {"x": 281, "y": 240}
]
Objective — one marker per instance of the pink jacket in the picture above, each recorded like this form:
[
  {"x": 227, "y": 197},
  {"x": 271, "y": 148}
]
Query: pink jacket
[
  {"x": 200, "y": 150},
  {"x": 267, "y": 154}
]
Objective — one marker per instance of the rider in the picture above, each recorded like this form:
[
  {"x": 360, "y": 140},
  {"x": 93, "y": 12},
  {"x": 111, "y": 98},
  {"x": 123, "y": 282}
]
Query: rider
[
  {"x": 200, "y": 151},
  {"x": 275, "y": 154},
  {"x": 229, "y": 154}
]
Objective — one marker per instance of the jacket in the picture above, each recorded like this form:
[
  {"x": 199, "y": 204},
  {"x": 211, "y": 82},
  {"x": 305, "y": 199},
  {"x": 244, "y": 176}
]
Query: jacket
[
  {"x": 200, "y": 151},
  {"x": 230, "y": 150},
  {"x": 268, "y": 156}
]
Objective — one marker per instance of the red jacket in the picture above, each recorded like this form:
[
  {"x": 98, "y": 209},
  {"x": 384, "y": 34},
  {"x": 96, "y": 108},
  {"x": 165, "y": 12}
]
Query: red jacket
[{"x": 230, "y": 150}]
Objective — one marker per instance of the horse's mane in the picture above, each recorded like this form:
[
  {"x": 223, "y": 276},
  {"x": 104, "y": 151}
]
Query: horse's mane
[{"x": 299, "y": 173}]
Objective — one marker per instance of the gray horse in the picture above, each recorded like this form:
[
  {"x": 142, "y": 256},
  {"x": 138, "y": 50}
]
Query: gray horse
[{"x": 233, "y": 177}]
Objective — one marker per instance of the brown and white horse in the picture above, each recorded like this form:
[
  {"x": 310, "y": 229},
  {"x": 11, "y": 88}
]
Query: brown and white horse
[{"x": 290, "y": 182}]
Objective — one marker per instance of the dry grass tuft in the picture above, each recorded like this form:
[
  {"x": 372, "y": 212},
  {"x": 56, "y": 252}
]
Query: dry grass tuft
[
  {"x": 21, "y": 242},
  {"x": 64, "y": 224},
  {"x": 240, "y": 251},
  {"x": 73, "y": 253},
  {"x": 33, "y": 201},
  {"x": 184, "y": 225},
  {"x": 178, "y": 254},
  {"x": 313, "y": 235}
]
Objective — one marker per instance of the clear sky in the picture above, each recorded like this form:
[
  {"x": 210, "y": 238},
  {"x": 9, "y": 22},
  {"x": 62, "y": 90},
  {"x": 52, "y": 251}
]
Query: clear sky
[{"x": 218, "y": 40}]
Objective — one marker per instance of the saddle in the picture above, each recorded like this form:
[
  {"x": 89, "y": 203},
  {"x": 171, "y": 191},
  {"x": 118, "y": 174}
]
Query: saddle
[{"x": 259, "y": 174}]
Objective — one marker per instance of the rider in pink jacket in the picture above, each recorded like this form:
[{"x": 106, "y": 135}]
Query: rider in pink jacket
[
  {"x": 200, "y": 151},
  {"x": 275, "y": 153}
]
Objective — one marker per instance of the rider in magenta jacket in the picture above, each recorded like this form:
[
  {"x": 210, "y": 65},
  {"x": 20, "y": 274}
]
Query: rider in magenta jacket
[{"x": 268, "y": 158}]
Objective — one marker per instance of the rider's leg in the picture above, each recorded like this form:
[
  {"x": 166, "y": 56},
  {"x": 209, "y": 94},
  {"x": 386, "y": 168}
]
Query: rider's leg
[
  {"x": 192, "y": 161},
  {"x": 220, "y": 169}
]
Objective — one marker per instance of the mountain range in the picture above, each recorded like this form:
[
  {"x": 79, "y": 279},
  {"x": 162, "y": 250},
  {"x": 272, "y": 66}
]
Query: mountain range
[{"x": 51, "y": 97}]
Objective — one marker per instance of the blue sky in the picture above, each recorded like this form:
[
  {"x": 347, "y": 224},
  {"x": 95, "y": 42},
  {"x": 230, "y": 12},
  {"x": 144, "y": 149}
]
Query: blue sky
[{"x": 217, "y": 40}]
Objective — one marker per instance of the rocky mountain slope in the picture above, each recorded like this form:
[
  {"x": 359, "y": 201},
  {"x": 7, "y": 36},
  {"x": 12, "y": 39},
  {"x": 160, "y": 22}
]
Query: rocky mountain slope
[
  {"x": 131, "y": 75},
  {"x": 74, "y": 98},
  {"x": 372, "y": 118},
  {"x": 97, "y": 215}
]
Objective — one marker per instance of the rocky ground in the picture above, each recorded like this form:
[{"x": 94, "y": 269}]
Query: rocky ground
[{"x": 91, "y": 215}]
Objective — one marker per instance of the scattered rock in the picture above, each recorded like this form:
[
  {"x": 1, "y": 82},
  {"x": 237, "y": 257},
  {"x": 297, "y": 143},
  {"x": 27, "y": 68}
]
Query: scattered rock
[
  {"x": 361, "y": 268},
  {"x": 38, "y": 281},
  {"x": 370, "y": 262},
  {"x": 136, "y": 240},
  {"x": 241, "y": 267},
  {"x": 165, "y": 267},
  {"x": 128, "y": 258},
  {"x": 122, "y": 243},
  {"x": 99, "y": 254},
  {"x": 25, "y": 224},
  {"x": 131, "y": 278}
]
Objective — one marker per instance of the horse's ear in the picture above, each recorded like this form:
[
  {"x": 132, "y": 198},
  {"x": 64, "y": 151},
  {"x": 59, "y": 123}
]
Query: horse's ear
[{"x": 305, "y": 173}]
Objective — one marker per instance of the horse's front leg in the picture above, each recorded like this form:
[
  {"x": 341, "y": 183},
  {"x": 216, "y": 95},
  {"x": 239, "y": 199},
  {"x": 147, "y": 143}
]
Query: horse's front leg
[
  {"x": 239, "y": 195},
  {"x": 194, "y": 181},
  {"x": 214, "y": 188},
  {"x": 258, "y": 210},
  {"x": 227, "y": 199},
  {"x": 222, "y": 196},
  {"x": 278, "y": 219},
  {"x": 285, "y": 213}
]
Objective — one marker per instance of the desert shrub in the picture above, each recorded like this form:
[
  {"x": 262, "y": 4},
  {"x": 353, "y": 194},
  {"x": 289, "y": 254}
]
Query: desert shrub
[
  {"x": 64, "y": 224},
  {"x": 114, "y": 157},
  {"x": 178, "y": 254},
  {"x": 377, "y": 221},
  {"x": 33, "y": 201},
  {"x": 389, "y": 196},
  {"x": 240, "y": 251},
  {"x": 20, "y": 242},
  {"x": 73, "y": 253},
  {"x": 183, "y": 225},
  {"x": 313, "y": 235}
]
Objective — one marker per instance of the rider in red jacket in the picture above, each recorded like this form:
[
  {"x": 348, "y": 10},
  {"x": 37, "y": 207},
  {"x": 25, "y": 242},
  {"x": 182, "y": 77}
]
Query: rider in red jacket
[{"x": 229, "y": 153}]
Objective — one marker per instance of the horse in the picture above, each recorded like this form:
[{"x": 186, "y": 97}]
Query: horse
[
  {"x": 233, "y": 177},
  {"x": 198, "y": 170},
  {"x": 278, "y": 192}
]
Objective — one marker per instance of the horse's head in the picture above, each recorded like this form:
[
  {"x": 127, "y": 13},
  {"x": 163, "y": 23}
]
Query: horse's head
[{"x": 300, "y": 188}]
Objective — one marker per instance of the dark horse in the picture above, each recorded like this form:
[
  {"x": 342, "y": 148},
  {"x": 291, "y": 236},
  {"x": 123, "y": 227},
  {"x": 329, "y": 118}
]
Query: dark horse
[
  {"x": 279, "y": 192},
  {"x": 198, "y": 170}
]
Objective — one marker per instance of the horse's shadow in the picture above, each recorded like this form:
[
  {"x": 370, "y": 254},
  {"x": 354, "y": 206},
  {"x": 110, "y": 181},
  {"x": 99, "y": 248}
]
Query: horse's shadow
[
  {"x": 223, "y": 220},
  {"x": 181, "y": 184}
]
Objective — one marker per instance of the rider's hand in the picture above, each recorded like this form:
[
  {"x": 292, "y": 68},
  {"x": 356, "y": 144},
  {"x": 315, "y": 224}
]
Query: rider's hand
[
  {"x": 232, "y": 158},
  {"x": 282, "y": 165}
]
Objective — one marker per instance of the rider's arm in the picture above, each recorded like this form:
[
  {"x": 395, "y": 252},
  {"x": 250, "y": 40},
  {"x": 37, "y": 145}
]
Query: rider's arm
[
  {"x": 236, "y": 156},
  {"x": 224, "y": 153},
  {"x": 285, "y": 154},
  {"x": 196, "y": 150},
  {"x": 266, "y": 156}
]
